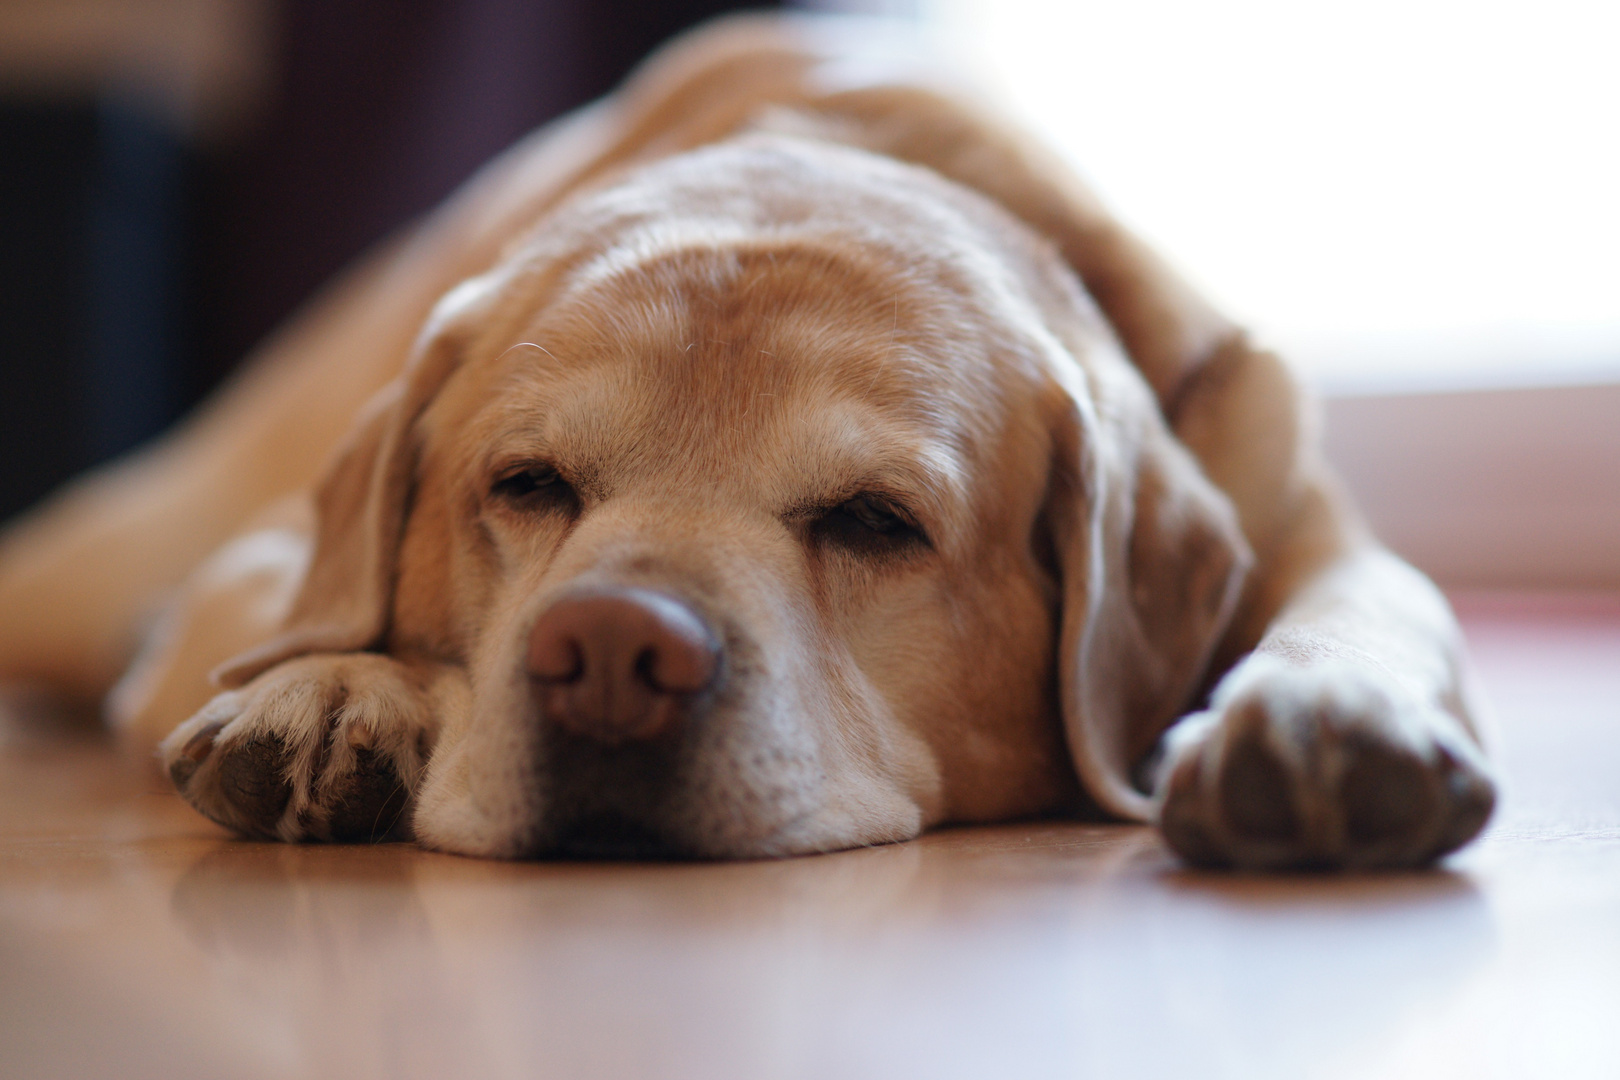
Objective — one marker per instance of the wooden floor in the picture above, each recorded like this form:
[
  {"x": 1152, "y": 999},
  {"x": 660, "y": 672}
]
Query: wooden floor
[{"x": 136, "y": 940}]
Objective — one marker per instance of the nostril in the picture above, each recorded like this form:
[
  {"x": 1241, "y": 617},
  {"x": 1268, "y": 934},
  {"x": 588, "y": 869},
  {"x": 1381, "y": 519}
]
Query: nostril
[
  {"x": 681, "y": 655},
  {"x": 676, "y": 666},
  {"x": 646, "y": 660}
]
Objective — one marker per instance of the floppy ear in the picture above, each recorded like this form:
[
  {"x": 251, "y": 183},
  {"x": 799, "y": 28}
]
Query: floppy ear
[
  {"x": 1152, "y": 561},
  {"x": 360, "y": 504}
]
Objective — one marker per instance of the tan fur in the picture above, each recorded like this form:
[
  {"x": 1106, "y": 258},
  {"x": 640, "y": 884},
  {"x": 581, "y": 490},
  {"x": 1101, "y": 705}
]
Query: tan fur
[{"x": 745, "y": 288}]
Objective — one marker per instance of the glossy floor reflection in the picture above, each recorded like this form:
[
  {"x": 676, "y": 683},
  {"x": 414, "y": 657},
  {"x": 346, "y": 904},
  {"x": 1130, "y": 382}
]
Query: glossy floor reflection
[{"x": 137, "y": 940}]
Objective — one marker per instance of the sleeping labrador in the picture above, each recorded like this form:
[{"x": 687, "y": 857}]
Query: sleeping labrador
[{"x": 777, "y": 456}]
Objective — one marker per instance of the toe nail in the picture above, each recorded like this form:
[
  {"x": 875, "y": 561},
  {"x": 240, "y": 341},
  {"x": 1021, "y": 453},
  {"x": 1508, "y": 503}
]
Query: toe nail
[
  {"x": 181, "y": 771},
  {"x": 199, "y": 745}
]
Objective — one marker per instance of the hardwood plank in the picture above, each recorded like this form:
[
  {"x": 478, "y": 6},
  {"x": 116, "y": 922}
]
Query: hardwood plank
[{"x": 136, "y": 939}]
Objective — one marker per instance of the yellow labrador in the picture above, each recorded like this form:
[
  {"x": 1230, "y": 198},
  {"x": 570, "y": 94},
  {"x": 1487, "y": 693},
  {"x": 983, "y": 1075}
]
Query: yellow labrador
[{"x": 778, "y": 456}]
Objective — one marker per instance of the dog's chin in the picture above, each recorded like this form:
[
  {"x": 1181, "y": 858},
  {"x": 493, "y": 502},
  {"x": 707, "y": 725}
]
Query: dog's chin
[
  {"x": 618, "y": 835},
  {"x": 615, "y": 834},
  {"x": 610, "y": 836}
]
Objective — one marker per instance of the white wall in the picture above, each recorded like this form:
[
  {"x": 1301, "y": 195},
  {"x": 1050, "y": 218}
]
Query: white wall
[{"x": 1504, "y": 488}]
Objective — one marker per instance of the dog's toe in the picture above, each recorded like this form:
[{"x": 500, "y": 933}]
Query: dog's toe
[
  {"x": 368, "y": 803},
  {"x": 251, "y": 777},
  {"x": 1469, "y": 796},
  {"x": 1184, "y": 825},
  {"x": 1386, "y": 794},
  {"x": 1256, "y": 794}
]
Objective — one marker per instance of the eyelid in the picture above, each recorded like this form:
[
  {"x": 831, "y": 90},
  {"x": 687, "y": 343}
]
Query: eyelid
[
  {"x": 535, "y": 467},
  {"x": 509, "y": 464},
  {"x": 902, "y": 506}
]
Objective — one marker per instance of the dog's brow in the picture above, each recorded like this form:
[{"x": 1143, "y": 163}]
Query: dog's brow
[
  {"x": 921, "y": 488},
  {"x": 860, "y": 432},
  {"x": 918, "y": 471}
]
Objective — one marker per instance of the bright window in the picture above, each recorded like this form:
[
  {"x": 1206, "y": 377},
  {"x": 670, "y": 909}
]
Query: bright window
[{"x": 1396, "y": 192}]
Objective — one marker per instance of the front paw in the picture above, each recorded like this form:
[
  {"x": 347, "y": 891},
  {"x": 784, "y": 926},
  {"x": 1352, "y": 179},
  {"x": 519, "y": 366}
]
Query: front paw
[
  {"x": 322, "y": 747},
  {"x": 1329, "y": 766}
]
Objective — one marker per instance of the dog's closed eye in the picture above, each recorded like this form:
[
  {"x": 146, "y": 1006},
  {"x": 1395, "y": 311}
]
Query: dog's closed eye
[
  {"x": 536, "y": 486},
  {"x": 869, "y": 524}
]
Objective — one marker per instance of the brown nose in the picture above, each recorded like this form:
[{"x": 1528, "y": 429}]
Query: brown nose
[{"x": 615, "y": 664}]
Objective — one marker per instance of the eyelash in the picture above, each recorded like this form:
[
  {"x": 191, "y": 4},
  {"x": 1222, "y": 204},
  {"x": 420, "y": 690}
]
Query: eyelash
[
  {"x": 869, "y": 524},
  {"x": 536, "y": 487}
]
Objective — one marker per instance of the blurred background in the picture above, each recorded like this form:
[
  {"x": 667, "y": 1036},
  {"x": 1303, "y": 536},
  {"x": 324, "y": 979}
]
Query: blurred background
[
  {"x": 177, "y": 175},
  {"x": 1414, "y": 199}
]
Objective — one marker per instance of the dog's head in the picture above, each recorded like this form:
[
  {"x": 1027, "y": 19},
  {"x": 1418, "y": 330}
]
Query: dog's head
[{"x": 777, "y": 497}]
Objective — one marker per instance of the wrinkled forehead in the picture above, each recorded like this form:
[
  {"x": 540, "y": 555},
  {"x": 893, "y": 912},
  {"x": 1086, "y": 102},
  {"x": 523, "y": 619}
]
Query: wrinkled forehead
[
  {"x": 713, "y": 354},
  {"x": 826, "y": 297}
]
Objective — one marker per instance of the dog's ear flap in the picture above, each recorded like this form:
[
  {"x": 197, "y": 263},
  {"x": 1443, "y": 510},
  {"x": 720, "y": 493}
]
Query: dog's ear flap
[
  {"x": 346, "y": 597},
  {"x": 1152, "y": 561},
  {"x": 342, "y": 605}
]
